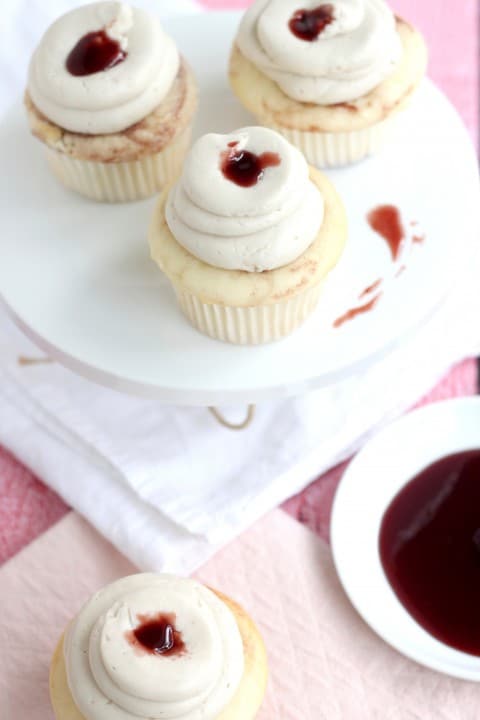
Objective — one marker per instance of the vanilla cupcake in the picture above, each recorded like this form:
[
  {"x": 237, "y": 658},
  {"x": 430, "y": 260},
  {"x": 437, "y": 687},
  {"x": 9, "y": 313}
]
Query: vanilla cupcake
[
  {"x": 330, "y": 77},
  {"x": 158, "y": 647},
  {"x": 247, "y": 236},
  {"x": 112, "y": 100}
]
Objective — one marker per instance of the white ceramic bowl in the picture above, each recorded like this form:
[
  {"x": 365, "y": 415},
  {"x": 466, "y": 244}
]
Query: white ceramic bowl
[{"x": 373, "y": 479}]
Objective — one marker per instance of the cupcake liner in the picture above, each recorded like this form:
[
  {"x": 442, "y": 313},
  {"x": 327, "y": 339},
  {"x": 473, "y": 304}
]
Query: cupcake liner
[
  {"x": 249, "y": 325},
  {"x": 123, "y": 181},
  {"x": 328, "y": 150}
]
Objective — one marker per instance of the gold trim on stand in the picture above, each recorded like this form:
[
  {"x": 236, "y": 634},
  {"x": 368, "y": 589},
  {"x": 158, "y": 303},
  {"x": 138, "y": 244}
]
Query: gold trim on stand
[
  {"x": 234, "y": 426},
  {"x": 27, "y": 361}
]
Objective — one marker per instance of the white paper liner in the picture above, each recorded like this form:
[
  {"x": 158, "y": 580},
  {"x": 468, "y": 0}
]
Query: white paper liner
[
  {"x": 123, "y": 181},
  {"x": 249, "y": 325},
  {"x": 328, "y": 150}
]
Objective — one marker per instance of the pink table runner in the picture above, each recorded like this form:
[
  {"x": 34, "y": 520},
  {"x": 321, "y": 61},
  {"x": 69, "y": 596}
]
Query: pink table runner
[
  {"x": 325, "y": 663},
  {"x": 28, "y": 508}
]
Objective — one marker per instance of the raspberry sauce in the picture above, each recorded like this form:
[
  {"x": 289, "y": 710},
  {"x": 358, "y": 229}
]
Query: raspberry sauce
[
  {"x": 93, "y": 53},
  {"x": 356, "y": 311},
  {"x": 371, "y": 288},
  {"x": 386, "y": 221},
  {"x": 157, "y": 635},
  {"x": 245, "y": 168},
  {"x": 309, "y": 24},
  {"x": 430, "y": 549}
]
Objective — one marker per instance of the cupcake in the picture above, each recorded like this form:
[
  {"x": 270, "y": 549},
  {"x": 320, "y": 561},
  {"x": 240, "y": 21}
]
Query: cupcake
[
  {"x": 112, "y": 101},
  {"x": 247, "y": 236},
  {"x": 151, "y": 647},
  {"x": 331, "y": 78}
]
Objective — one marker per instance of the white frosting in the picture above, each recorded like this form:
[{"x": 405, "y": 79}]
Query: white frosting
[
  {"x": 111, "y": 679},
  {"x": 256, "y": 228},
  {"x": 350, "y": 57},
  {"x": 107, "y": 101}
]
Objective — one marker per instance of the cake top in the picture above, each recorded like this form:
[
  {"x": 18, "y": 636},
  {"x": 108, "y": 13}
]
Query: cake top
[
  {"x": 101, "y": 68},
  {"x": 245, "y": 201},
  {"x": 153, "y": 647},
  {"x": 322, "y": 53}
]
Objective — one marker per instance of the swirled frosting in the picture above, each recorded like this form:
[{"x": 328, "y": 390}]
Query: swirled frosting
[
  {"x": 113, "y": 99},
  {"x": 230, "y": 226},
  {"x": 353, "y": 53},
  {"x": 111, "y": 678}
]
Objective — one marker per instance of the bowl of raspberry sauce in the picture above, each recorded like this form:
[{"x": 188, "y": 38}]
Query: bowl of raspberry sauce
[{"x": 406, "y": 536}]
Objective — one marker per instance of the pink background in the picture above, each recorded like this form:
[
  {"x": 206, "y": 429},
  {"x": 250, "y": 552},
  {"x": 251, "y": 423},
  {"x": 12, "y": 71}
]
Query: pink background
[
  {"x": 28, "y": 508},
  {"x": 324, "y": 661}
]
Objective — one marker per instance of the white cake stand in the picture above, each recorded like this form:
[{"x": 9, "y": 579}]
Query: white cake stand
[{"x": 77, "y": 278}]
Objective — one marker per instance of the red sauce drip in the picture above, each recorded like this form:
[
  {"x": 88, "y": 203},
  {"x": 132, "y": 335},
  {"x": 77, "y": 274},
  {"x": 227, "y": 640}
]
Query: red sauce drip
[
  {"x": 309, "y": 24},
  {"x": 386, "y": 221},
  {"x": 93, "y": 53},
  {"x": 370, "y": 288},
  {"x": 157, "y": 635},
  {"x": 355, "y": 312},
  {"x": 430, "y": 549},
  {"x": 245, "y": 168},
  {"x": 418, "y": 239},
  {"x": 233, "y": 144}
]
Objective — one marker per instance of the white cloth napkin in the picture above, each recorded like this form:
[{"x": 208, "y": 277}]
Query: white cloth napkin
[{"x": 167, "y": 486}]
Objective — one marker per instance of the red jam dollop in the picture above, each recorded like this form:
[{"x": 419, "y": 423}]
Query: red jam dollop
[
  {"x": 93, "y": 53},
  {"x": 309, "y": 24},
  {"x": 245, "y": 168},
  {"x": 157, "y": 635}
]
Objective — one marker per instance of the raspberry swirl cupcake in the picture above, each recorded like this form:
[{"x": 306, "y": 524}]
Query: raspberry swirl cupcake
[
  {"x": 247, "y": 236},
  {"x": 112, "y": 100},
  {"x": 157, "y": 647},
  {"x": 330, "y": 77}
]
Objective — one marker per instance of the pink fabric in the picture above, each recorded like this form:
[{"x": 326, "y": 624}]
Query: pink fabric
[
  {"x": 324, "y": 662},
  {"x": 313, "y": 506},
  {"x": 27, "y": 508}
]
